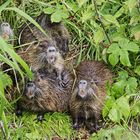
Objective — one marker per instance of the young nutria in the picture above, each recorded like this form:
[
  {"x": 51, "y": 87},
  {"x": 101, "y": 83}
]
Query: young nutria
[
  {"x": 88, "y": 97},
  {"x": 55, "y": 62},
  {"x": 6, "y": 31},
  {"x": 56, "y": 32},
  {"x": 45, "y": 95}
]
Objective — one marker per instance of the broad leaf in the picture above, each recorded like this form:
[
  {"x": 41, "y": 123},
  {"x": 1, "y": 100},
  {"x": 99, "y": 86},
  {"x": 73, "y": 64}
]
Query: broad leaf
[
  {"x": 135, "y": 108},
  {"x": 131, "y": 85},
  {"x": 123, "y": 106},
  {"x": 133, "y": 47},
  {"x": 49, "y": 10},
  {"x": 124, "y": 58},
  {"x": 137, "y": 70},
  {"x": 123, "y": 43},
  {"x": 56, "y": 16},
  {"x": 115, "y": 115},
  {"x": 114, "y": 48},
  {"x": 108, "y": 105},
  {"x": 123, "y": 75},
  {"x": 99, "y": 36},
  {"x": 111, "y": 19},
  {"x": 118, "y": 87},
  {"x": 113, "y": 59}
]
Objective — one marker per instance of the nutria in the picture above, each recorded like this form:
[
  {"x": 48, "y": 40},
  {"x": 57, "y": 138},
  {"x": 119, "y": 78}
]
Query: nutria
[
  {"x": 57, "y": 33},
  {"x": 6, "y": 31},
  {"x": 52, "y": 60},
  {"x": 88, "y": 97},
  {"x": 45, "y": 95}
]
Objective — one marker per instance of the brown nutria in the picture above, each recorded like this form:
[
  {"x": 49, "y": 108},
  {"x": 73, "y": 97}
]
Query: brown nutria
[
  {"x": 45, "y": 95},
  {"x": 56, "y": 32},
  {"x": 88, "y": 97},
  {"x": 55, "y": 62},
  {"x": 6, "y": 31}
]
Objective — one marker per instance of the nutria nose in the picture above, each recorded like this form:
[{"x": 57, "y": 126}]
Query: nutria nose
[{"x": 30, "y": 84}]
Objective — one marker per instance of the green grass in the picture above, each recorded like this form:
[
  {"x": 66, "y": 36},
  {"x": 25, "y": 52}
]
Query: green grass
[{"x": 26, "y": 127}]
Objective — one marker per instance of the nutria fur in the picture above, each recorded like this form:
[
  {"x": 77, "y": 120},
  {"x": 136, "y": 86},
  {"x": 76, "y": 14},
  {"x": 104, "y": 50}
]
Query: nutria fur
[
  {"x": 45, "y": 95},
  {"x": 53, "y": 61},
  {"x": 87, "y": 110},
  {"x": 57, "y": 33}
]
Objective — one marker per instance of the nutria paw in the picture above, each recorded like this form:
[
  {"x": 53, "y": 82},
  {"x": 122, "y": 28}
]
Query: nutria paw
[
  {"x": 40, "y": 118},
  {"x": 18, "y": 112},
  {"x": 76, "y": 126}
]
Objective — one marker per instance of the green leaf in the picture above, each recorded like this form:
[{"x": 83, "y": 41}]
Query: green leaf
[
  {"x": 56, "y": 16},
  {"x": 5, "y": 79},
  {"x": 119, "y": 12},
  {"x": 111, "y": 19},
  {"x": 49, "y": 10},
  {"x": 137, "y": 70},
  {"x": 108, "y": 105},
  {"x": 131, "y": 85},
  {"x": 86, "y": 15},
  {"x": 115, "y": 115},
  {"x": 114, "y": 48},
  {"x": 133, "y": 47},
  {"x": 3, "y": 6},
  {"x": 73, "y": 6},
  {"x": 124, "y": 58},
  {"x": 113, "y": 59},
  {"x": 23, "y": 14},
  {"x": 135, "y": 29},
  {"x": 118, "y": 87},
  {"x": 65, "y": 15},
  {"x": 123, "y": 75},
  {"x": 81, "y": 2},
  {"x": 131, "y": 4},
  {"x": 123, "y": 43},
  {"x": 15, "y": 57},
  {"x": 99, "y": 36},
  {"x": 123, "y": 106},
  {"x": 135, "y": 110}
]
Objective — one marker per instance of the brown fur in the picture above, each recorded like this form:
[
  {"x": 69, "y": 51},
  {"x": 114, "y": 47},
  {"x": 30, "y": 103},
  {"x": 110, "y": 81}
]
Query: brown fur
[
  {"x": 57, "y": 33},
  {"x": 96, "y": 74},
  {"x": 51, "y": 97}
]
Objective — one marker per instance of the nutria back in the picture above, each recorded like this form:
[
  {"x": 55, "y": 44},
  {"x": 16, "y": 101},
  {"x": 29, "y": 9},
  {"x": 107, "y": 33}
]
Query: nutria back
[
  {"x": 94, "y": 71},
  {"x": 56, "y": 33}
]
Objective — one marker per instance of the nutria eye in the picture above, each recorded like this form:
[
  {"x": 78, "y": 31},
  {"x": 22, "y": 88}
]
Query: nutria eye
[
  {"x": 51, "y": 50},
  {"x": 41, "y": 46}
]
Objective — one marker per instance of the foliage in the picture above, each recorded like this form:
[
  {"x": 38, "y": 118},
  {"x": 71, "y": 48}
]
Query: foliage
[{"x": 100, "y": 30}]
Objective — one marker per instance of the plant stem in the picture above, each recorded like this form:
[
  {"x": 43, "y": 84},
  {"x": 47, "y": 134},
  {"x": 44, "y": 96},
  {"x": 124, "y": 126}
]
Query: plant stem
[{"x": 99, "y": 17}]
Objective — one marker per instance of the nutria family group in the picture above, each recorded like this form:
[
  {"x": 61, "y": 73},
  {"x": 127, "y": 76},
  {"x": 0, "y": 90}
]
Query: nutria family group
[{"x": 54, "y": 87}]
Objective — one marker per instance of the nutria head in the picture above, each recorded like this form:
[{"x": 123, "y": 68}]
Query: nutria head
[
  {"x": 51, "y": 55},
  {"x": 48, "y": 53},
  {"x": 84, "y": 90},
  {"x": 32, "y": 91},
  {"x": 6, "y": 30}
]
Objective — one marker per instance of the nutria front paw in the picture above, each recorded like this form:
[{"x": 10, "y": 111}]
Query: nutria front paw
[
  {"x": 76, "y": 126},
  {"x": 40, "y": 118},
  {"x": 18, "y": 112}
]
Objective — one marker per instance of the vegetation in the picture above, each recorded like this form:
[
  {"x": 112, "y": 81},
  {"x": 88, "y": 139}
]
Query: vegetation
[{"x": 107, "y": 30}]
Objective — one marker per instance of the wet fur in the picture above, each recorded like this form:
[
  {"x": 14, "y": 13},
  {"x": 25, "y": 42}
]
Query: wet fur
[
  {"x": 51, "y": 97},
  {"x": 89, "y": 110}
]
